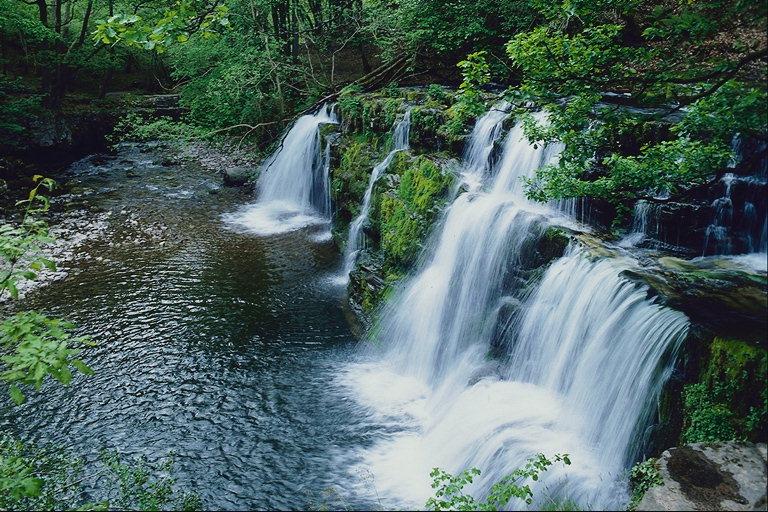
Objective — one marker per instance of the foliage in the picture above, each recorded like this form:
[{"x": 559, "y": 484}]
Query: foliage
[
  {"x": 702, "y": 59},
  {"x": 449, "y": 489},
  {"x": 706, "y": 421},
  {"x": 171, "y": 26},
  {"x": 141, "y": 485},
  {"x": 470, "y": 103},
  {"x": 35, "y": 347},
  {"x": 730, "y": 400},
  {"x": 17, "y": 111},
  {"x": 642, "y": 477},
  {"x": 35, "y": 478},
  {"x": 134, "y": 127},
  {"x": 445, "y": 30},
  {"x": 21, "y": 245}
]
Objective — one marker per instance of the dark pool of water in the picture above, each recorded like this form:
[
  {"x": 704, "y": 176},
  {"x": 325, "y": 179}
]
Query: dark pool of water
[{"x": 216, "y": 345}]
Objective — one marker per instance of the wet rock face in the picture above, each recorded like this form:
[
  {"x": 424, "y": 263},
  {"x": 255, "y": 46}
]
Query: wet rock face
[
  {"x": 713, "y": 293},
  {"x": 366, "y": 285},
  {"x": 710, "y": 476},
  {"x": 725, "y": 216}
]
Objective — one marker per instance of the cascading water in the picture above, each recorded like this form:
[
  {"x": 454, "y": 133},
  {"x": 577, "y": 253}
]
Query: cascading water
[
  {"x": 293, "y": 188},
  {"x": 746, "y": 219},
  {"x": 644, "y": 224},
  {"x": 584, "y": 364},
  {"x": 717, "y": 232},
  {"x": 355, "y": 238},
  {"x": 478, "y": 152}
]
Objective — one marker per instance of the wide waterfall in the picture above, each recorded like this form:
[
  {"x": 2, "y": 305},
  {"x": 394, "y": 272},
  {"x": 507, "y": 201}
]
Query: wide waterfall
[
  {"x": 585, "y": 361},
  {"x": 293, "y": 187},
  {"x": 355, "y": 238}
]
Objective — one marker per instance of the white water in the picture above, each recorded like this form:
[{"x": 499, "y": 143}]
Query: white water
[
  {"x": 293, "y": 187},
  {"x": 644, "y": 224},
  {"x": 355, "y": 239},
  {"x": 477, "y": 153},
  {"x": 583, "y": 369}
]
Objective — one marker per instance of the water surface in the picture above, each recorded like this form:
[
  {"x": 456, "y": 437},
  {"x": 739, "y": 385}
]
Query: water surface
[{"x": 218, "y": 345}]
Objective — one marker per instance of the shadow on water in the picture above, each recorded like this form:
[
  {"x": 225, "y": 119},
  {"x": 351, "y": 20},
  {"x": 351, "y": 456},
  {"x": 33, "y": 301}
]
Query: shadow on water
[{"x": 217, "y": 345}]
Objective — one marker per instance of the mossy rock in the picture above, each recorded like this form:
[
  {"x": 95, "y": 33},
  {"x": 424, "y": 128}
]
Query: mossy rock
[
  {"x": 357, "y": 155},
  {"x": 403, "y": 216},
  {"x": 729, "y": 401},
  {"x": 552, "y": 243},
  {"x": 362, "y": 113},
  {"x": 728, "y": 301},
  {"x": 425, "y": 129},
  {"x": 370, "y": 285}
]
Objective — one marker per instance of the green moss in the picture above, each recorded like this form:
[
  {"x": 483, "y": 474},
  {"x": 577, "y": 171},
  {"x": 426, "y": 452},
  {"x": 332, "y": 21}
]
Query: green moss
[
  {"x": 425, "y": 125},
  {"x": 405, "y": 215},
  {"x": 729, "y": 402},
  {"x": 553, "y": 243},
  {"x": 349, "y": 179}
]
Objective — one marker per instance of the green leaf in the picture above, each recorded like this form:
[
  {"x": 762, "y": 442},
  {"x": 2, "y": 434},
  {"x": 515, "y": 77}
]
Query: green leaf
[
  {"x": 82, "y": 367},
  {"x": 16, "y": 395},
  {"x": 65, "y": 376}
]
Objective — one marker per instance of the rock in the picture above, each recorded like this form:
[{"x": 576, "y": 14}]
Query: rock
[
  {"x": 727, "y": 299},
  {"x": 366, "y": 285},
  {"x": 236, "y": 176},
  {"x": 710, "y": 476}
]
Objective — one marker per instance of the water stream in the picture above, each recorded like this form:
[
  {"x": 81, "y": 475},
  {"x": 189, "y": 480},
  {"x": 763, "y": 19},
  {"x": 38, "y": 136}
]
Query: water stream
[
  {"x": 232, "y": 349},
  {"x": 213, "y": 343}
]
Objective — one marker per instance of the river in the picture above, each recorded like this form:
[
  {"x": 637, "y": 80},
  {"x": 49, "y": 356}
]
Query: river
[{"x": 220, "y": 346}]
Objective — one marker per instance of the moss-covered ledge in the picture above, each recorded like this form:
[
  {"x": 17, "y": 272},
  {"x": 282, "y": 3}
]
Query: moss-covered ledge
[{"x": 407, "y": 201}]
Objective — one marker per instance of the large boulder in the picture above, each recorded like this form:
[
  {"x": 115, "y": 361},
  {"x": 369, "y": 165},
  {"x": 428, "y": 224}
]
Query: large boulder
[
  {"x": 710, "y": 476},
  {"x": 236, "y": 176}
]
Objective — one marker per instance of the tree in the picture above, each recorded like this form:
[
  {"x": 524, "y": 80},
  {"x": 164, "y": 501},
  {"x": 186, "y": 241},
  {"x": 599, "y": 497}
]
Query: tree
[{"x": 589, "y": 61}]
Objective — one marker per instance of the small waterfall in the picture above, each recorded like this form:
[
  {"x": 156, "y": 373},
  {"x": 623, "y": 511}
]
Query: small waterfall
[
  {"x": 716, "y": 238},
  {"x": 597, "y": 342},
  {"x": 644, "y": 224},
  {"x": 738, "y": 225},
  {"x": 478, "y": 151},
  {"x": 355, "y": 238},
  {"x": 585, "y": 361},
  {"x": 452, "y": 296},
  {"x": 293, "y": 187}
]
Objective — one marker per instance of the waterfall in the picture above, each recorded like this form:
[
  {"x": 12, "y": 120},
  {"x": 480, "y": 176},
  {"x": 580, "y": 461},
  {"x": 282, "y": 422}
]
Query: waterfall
[
  {"x": 355, "y": 238},
  {"x": 733, "y": 220},
  {"x": 293, "y": 187},
  {"x": 478, "y": 151},
  {"x": 584, "y": 362},
  {"x": 716, "y": 238},
  {"x": 644, "y": 223}
]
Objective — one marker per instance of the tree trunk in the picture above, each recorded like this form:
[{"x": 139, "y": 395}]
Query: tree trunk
[
  {"x": 364, "y": 58},
  {"x": 86, "y": 19},
  {"x": 294, "y": 32},
  {"x": 42, "y": 7},
  {"x": 67, "y": 18},
  {"x": 57, "y": 16}
]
